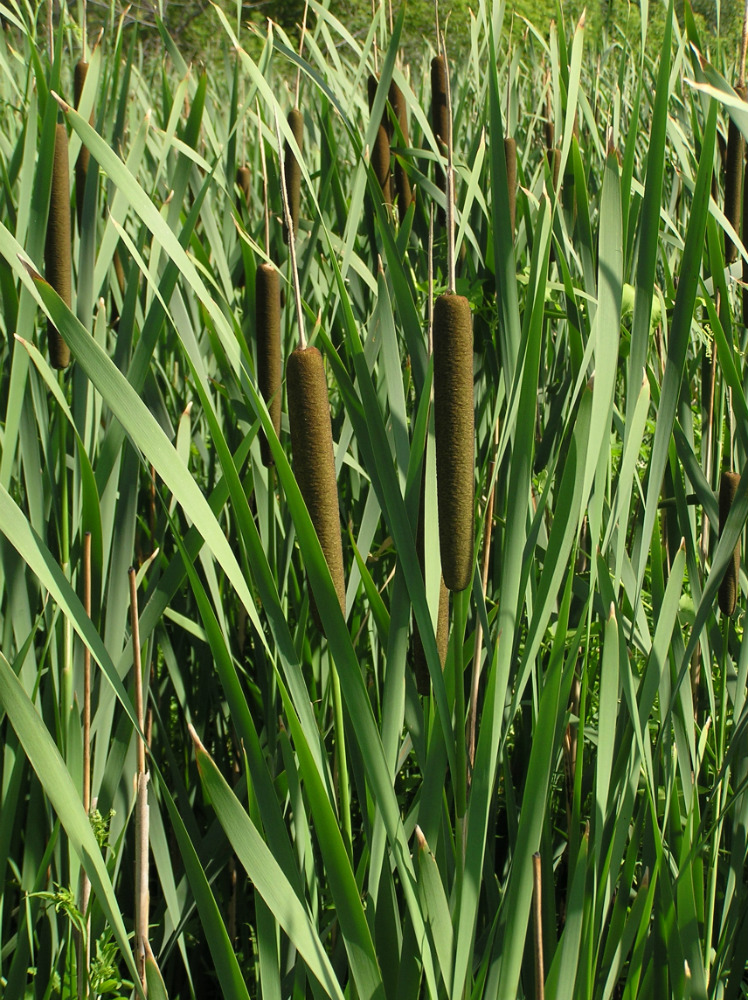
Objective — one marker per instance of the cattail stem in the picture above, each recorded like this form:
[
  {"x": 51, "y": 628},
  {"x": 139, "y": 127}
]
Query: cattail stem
[
  {"x": 730, "y": 586},
  {"x": 450, "y": 180},
  {"x": 84, "y": 938},
  {"x": 87, "y": 677},
  {"x": 141, "y": 800},
  {"x": 537, "y": 914},
  {"x": 301, "y": 50},
  {"x": 263, "y": 161},
  {"x": 268, "y": 332},
  {"x": 488, "y": 531},
  {"x": 341, "y": 759}
]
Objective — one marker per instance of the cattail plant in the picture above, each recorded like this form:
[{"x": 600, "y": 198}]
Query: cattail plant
[
  {"x": 311, "y": 432},
  {"x": 730, "y": 586},
  {"x": 243, "y": 182},
  {"x": 267, "y": 325},
  {"x": 81, "y": 164},
  {"x": 454, "y": 410},
  {"x": 402, "y": 181},
  {"x": 57, "y": 252},
  {"x": 380, "y": 154},
  {"x": 733, "y": 179},
  {"x": 455, "y": 432},
  {"x": 313, "y": 459},
  {"x": 267, "y": 318},
  {"x": 439, "y": 118},
  {"x": 292, "y": 170}
]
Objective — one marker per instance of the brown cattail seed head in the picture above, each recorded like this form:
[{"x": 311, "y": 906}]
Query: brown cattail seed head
[
  {"x": 57, "y": 252},
  {"x": 293, "y": 170},
  {"x": 510, "y": 155},
  {"x": 733, "y": 180},
  {"x": 454, "y": 423},
  {"x": 371, "y": 89},
  {"x": 380, "y": 161},
  {"x": 439, "y": 118},
  {"x": 402, "y": 181},
  {"x": 243, "y": 179},
  {"x": 730, "y": 586},
  {"x": 81, "y": 164},
  {"x": 554, "y": 163},
  {"x": 313, "y": 460},
  {"x": 267, "y": 318}
]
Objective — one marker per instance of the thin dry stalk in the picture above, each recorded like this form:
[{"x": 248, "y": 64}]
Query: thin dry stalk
[
  {"x": 301, "y": 49},
  {"x": 450, "y": 181},
  {"x": 141, "y": 800},
  {"x": 537, "y": 921}
]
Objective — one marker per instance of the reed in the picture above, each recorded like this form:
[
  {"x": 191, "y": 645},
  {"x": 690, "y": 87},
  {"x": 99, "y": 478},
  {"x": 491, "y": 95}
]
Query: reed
[
  {"x": 293, "y": 171},
  {"x": 267, "y": 324},
  {"x": 313, "y": 459},
  {"x": 733, "y": 180},
  {"x": 57, "y": 252},
  {"x": 454, "y": 421},
  {"x": 730, "y": 586},
  {"x": 439, "y": 120}
]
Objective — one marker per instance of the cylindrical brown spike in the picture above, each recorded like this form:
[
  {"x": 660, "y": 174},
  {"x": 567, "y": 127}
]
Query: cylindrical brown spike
[
  {"x": 57, "y": 252},
  {"x": 730, "y": 586},
  {"x": 510, "y": 155},
  {"x": 550, "y": 131},
  {"x": 439, "y": 119},
  {"x": 733, "y": 180},
  {"x": 243, "y": 182},
  {"x": 554, "y": 162},
  {"x": 454, "y": 423},
  {"x": 402, "y": 181},
  {"x": 267, "y": 320},
  {"x": 293, "y": 171},
  {"x": 313, "y": 460},
  {"x": 81, "y": 164},
  {"x": 380, "y": 161},
  {"x": 371, "y": 89}
]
